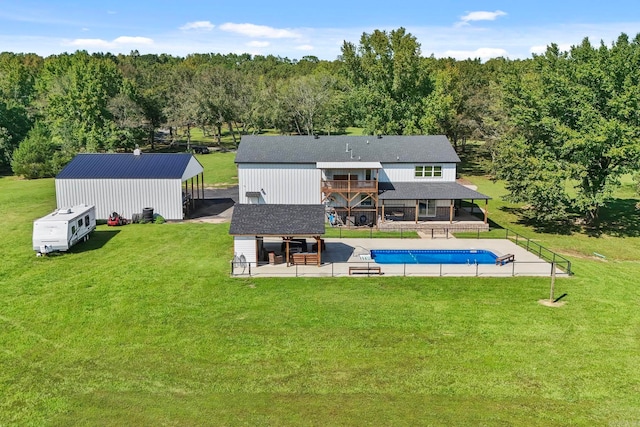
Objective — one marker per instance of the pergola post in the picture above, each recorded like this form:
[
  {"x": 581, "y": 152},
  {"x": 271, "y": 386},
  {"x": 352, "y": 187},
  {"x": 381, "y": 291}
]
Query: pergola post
[
  {"x": 286, "y": 240},
  {"x": 451, "y": 211},
  {"x": 417, "y": 209},
  {"x": 486, "y": 211}
]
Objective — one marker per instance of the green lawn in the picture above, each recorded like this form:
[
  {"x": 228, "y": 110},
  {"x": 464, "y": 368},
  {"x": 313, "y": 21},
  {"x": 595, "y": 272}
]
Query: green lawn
[
  {"x": 142, "y": 325},
  {"x": 219, "y": 168}
]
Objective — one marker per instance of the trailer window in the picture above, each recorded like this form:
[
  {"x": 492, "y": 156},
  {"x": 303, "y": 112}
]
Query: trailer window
[
  {"x": 80, "y": 223},
  {"x": 86, "y": 220},
  {"x": 73, "y": 229}
]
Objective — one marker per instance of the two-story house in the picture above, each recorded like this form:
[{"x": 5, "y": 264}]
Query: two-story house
[{"x": 354, "y": 180}]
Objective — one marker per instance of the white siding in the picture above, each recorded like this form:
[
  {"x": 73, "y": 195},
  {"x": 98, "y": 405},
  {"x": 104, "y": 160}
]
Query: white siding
[
  {"x": 280, "y": 183},
  {"x": 125, "y": 196},
  {"x": 245, "y": 245},
  {"x": 406, "y": 173},
  {"x": 193, "y": 168}
]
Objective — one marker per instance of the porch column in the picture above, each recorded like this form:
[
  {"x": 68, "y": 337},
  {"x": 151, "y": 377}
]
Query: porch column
[
  {"x": 318, "y": 243},
  {"x": 193, "y": 202},
  {"x": 486, "y": 210},
  {"x": 382, "y": 219},
  {"x": 287, "y": 250},
  {"x": 451, "y": 212},
  {"x": 417, "y": 203},
  {"x": 198, "y": 185}
]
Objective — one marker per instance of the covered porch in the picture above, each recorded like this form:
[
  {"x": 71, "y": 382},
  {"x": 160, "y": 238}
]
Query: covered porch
[{"x": 431, "y": 204}]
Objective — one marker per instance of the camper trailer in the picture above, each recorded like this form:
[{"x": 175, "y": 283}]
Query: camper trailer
[{"x": 63, "y": 228}]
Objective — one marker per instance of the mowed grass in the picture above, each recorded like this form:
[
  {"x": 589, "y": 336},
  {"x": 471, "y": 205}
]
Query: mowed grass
[
  {"x": 219, "y": 168},
  {"x": 142, "y": 325}
]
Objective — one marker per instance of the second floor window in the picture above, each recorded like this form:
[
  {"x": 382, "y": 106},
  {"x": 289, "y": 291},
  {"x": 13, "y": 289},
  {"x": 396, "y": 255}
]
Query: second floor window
[{"x": 428, "y": 171}]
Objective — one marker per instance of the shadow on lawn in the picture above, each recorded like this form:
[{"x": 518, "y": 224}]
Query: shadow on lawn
[
  {"x": 96, "y": 240},
  {"x": 618, "y": 218}
]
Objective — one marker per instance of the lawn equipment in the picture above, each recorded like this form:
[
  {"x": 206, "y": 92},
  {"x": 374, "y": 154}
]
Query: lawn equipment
[{"x": 115, "y": 220}]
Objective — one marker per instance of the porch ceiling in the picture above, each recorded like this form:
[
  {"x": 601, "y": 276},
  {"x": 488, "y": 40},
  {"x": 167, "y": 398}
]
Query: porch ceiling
[
  {"x": 428, "y": 191},
  {"x": 277, "y": 220}
]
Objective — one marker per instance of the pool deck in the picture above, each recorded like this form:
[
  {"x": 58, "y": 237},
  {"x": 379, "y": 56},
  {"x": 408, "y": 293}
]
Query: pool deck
[{"x": 340, "y": 254}]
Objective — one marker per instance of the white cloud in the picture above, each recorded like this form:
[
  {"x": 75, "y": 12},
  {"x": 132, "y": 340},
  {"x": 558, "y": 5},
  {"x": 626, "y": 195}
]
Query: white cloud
[
  {"x": 198, "y": 25},
  {"x": 306, "y": 47},
  {"x": 256, "y": 43},
  {"x": 480, "y": 16},
  {"x": 132, "y": 40},
  {"x": 105, "y": 44},
  {"x": 252, "y": 30},
  {"x": 482, "y": 53},
  {"x": 90, "y": 43}
]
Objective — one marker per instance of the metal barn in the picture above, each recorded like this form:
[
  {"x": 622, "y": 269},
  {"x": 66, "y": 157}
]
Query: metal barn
[{"x": 128, "y": 183}]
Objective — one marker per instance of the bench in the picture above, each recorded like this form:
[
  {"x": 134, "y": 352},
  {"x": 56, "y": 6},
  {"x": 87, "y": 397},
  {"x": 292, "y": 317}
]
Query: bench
[
  {"x": 304, "y": 258},
  {"x": 365, "y": 270},
  {"x": 504, "y": 259}
]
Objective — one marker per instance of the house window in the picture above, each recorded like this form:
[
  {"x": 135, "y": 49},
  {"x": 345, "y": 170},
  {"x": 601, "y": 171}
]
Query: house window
[{"x": 428, "y": 171}]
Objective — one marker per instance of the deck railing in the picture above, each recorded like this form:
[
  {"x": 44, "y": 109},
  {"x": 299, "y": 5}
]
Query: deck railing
[{"x": 348, "y": 185}]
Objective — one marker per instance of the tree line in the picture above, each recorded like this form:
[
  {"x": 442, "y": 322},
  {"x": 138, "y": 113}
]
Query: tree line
[{"x": 562, "y": 127}]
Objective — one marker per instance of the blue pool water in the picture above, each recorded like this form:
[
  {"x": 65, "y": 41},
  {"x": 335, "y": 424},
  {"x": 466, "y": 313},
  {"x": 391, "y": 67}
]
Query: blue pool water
[{"x": 433, "y": 256}]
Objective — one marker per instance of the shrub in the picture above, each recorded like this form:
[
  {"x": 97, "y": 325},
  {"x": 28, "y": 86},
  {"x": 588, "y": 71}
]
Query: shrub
[{"x": 34, "y": 157}]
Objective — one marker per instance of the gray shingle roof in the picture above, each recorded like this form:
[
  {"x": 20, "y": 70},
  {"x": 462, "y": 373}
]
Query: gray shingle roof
[
  {"x": 308, "y": 149},
  {"x": 126, "y": 166},
  {"x": 428, "y": 190},
  {"x": 277, "y": 220}
]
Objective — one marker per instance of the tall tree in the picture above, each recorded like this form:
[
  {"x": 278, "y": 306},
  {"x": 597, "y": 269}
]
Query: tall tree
[
  {"x": 75, "y": 91},
  {"x": 18, "y": 74},
  {"x": 388, "y": 81},
  {"x": 576, "y": 124}
]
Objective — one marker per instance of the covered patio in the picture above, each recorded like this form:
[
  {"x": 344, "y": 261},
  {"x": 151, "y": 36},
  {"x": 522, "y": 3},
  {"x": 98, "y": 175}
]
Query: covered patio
[
  {"x": 290, "y": 225},
  {"x": 442, "y": 202}
]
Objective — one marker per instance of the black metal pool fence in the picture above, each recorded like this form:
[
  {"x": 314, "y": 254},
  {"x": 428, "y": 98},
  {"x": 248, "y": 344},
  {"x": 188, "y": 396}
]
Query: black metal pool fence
[
  {"x": 372, "y": 269},
  {"x": 556, "y": 260}
]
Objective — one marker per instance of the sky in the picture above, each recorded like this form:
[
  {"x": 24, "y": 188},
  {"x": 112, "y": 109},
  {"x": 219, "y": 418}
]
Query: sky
[{"x": 457, "y": 28}]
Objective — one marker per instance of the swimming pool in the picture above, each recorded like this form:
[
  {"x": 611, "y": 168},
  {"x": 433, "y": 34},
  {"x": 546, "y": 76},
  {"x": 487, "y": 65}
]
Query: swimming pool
[{"x": 433, "y": 256}]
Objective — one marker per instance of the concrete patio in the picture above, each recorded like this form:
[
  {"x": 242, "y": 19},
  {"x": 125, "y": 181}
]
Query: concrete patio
[{"x": 340, "y": 254}]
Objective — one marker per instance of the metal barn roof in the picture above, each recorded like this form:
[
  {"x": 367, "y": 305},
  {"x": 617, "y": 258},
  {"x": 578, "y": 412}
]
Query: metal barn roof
[
  {"x": 129, "y": 166},
  {"x": 309, "y": 149}
]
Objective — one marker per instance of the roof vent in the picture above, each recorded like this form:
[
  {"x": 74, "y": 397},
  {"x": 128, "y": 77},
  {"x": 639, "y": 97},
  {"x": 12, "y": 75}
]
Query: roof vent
[
  {"x": 367, "y": 141},
  {"x": 346, "y": 150},
  {"x": 315, "y": 136},
  {"x": 136, "y": 152},
  {"x": 397, "y": 157},
  {"x": 379, "y": 136}
]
